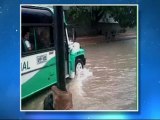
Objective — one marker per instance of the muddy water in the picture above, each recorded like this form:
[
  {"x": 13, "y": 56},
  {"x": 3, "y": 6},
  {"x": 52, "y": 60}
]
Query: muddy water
[{"x": 108, "y": 81}]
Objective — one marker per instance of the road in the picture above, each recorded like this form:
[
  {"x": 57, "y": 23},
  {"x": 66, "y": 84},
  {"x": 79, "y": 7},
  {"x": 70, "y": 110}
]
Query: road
[{"x": 108, "y": 81}]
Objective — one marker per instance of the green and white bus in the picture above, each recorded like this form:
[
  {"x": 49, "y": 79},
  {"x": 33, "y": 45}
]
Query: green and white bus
[{"x": 38, "y": 55}]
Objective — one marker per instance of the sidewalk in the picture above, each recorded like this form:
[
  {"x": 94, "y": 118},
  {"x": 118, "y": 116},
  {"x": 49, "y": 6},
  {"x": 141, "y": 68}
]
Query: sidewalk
[
  {"x": 124, "y": 36},
  {"x": 87, "y": 40}
]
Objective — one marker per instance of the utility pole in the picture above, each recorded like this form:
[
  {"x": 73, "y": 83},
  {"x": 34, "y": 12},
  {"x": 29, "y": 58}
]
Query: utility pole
[
  {"x": 60, "y": 50},
  {"x": 62, "y": 99}
]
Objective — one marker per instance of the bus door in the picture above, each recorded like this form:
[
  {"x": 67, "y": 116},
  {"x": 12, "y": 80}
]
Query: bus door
[
  {"x": 66, "y": 53},
  {"x": 38, "y": 62}
]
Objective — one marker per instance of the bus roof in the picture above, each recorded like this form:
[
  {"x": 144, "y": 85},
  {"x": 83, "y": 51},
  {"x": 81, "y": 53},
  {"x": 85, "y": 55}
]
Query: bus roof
[{"x": 36, "y": 15}]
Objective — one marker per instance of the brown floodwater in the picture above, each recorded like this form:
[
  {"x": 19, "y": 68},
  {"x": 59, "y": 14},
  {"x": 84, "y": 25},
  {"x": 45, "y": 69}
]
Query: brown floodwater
[{"x": 108, "y": 81}]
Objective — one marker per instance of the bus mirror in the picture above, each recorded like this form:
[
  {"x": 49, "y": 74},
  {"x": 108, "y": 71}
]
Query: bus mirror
[{"x": 73, "y": 35}]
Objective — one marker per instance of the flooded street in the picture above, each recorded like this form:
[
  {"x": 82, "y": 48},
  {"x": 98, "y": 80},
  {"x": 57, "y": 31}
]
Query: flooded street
[{"x": 108, "y": 81}]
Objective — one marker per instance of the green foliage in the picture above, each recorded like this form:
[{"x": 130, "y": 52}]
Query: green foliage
[{"x": 124, "y": 15}]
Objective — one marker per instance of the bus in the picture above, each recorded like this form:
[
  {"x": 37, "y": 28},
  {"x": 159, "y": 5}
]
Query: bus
[{"x": 38, "y": 55}]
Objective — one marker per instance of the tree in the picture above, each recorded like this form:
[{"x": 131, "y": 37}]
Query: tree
[{"x": 124, "y": 15}]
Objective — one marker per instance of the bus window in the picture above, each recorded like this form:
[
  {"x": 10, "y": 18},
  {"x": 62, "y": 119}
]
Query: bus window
[
  {"x": 27, "y": 40},
  {"x": 36, "y": 39},
  {"x": 44, "y": 38}
]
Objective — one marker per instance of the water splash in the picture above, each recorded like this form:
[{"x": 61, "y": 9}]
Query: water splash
[{"x": 76, "y": 84}]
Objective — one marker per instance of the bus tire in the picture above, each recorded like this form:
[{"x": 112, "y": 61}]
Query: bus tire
[
  {"x": 78, "y": 66},
  {"x": 48, "y": 102}
]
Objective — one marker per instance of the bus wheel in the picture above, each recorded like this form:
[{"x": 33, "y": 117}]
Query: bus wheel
[
  {"x": 48, "y": 102},
  {"x": 78, "y": 66}
]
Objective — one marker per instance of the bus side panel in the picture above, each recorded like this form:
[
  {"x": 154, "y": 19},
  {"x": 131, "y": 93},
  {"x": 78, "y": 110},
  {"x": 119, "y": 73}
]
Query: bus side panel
[{"x": 37, "y": 79}]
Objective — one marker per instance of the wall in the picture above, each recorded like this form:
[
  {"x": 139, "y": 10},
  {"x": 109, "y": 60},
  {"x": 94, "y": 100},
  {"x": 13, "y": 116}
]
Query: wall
[{"x": 100, "y": 29}]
